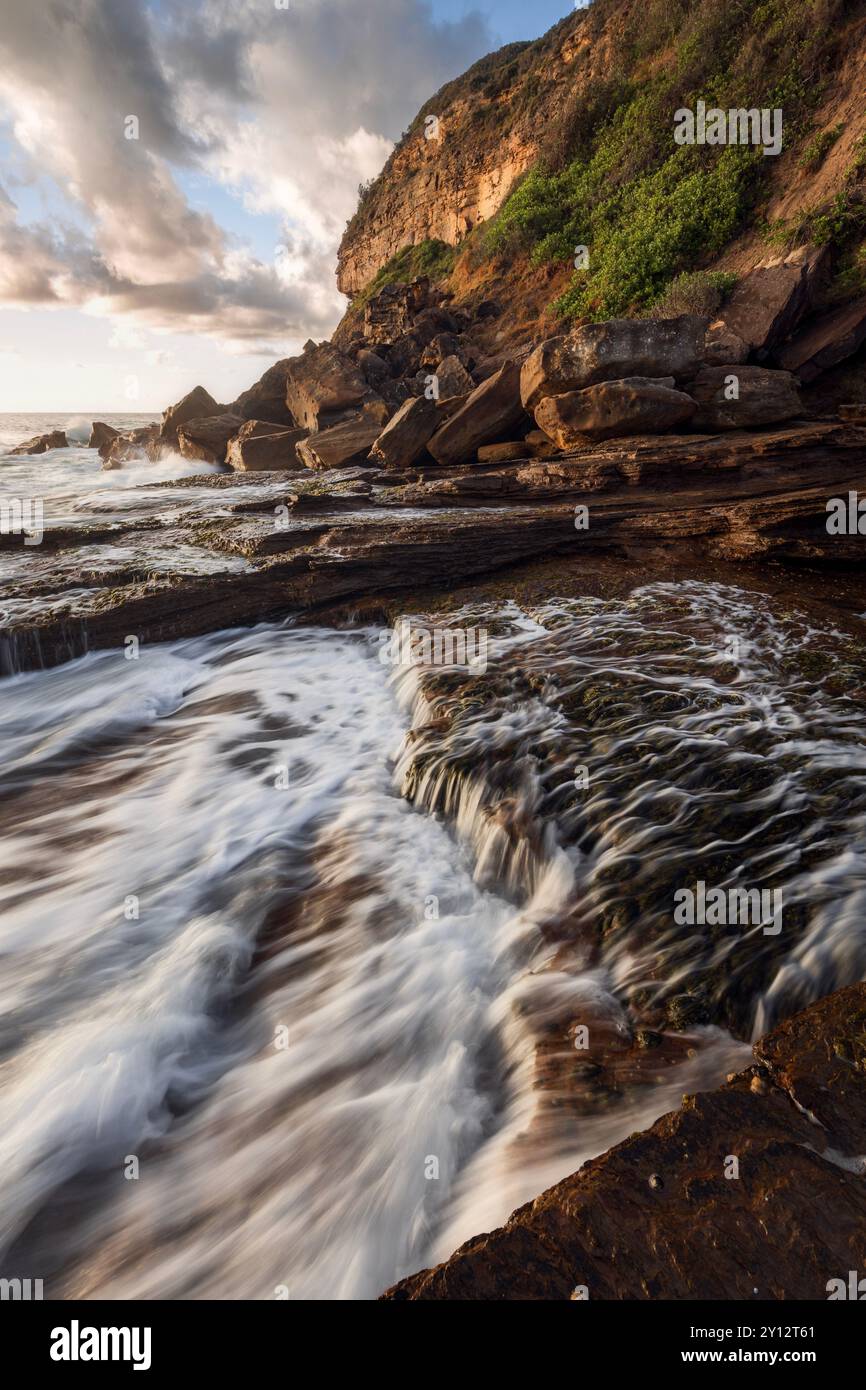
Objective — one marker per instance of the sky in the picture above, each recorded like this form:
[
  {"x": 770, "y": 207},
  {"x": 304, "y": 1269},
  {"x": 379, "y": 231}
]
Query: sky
[{"x": 175, "y": 176}]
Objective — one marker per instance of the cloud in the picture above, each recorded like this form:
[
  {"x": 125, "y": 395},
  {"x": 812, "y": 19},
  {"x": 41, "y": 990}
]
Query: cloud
[{"x": 288, "y": 109}]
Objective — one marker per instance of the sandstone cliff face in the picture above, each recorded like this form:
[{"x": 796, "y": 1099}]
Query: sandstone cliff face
[
  {"x": 442, "y": 180},
  {"x": 521, "y": 108}
]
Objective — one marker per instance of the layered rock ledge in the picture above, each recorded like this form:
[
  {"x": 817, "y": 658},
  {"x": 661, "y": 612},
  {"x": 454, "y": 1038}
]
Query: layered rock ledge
[{"x": 755, "y": 1191}]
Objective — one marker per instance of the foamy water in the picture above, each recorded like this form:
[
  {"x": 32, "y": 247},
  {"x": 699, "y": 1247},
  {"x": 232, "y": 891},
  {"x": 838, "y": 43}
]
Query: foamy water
[{"x": 306, "y": 1008}]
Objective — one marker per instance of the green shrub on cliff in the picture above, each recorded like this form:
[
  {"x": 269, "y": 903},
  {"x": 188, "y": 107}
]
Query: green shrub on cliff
[
  {"x": 430, "y": 257},
  {"x": 611, "y": 179}
]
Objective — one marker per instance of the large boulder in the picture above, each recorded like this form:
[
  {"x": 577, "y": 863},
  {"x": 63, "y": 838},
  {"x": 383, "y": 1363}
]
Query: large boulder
[
  {"x": 612, "y": 409},
  {"x": 453, "y": 378},
  {"x": 321, "y": 385},
  {"x": 405, "y": 437},
  {"x": 266, "y": 399},
  {"x": 344, "y": 444},
  {"x": 40, "y": 443},
  {"x": 261, "y": 447},
  {"x": 197, "y": 404},
  {"x": 763, "y": 397},
  {"x": 613, "y": 351},
  {"x": 207, "y": 439},
  {"x": 492, "y": 409},
  {"x": 827, "y": 341},
  {"x": 768, "y": 303},
  {"x": 100, "y": 434},
  {"x": 723, "y": 347}
]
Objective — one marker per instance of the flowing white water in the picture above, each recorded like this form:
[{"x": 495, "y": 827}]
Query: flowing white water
[{"x": 308, "y": 1014}]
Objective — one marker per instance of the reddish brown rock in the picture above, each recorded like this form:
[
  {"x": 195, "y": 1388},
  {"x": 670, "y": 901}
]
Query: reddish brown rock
[
  {"x": 344, "y": 444},
  {"x": 507, "y": 452},
  {"x": 101, "y": 434},
  {"x": 404, "y": 438},
  {"x": 723, "y": 347},
  {"x": 196, "y": 405},
  {"x": 764, "y": 397},
  {"x": 492, "y": 409},
  {"x": 827, "y": 341},
  {"x": 266, "y": 399},
  {"x": 660, "y": 1217},
  {"x": 322, "y": 384},
  {"x": 768, "y": 303},
  {"x": 133, "y": 444},
  {"x": 207, "y": 439},
  {"x": 40, "y": 443},
  {"x": 453, "y": 378},
  {"x": 259, "y": 447},
  {"x": 611, "y": 351},
  {"x": 613, "y": 409}
]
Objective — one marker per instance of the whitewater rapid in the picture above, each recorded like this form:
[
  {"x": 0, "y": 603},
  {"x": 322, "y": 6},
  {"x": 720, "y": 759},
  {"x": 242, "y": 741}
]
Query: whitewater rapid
[{"x": 282, "y": 946}]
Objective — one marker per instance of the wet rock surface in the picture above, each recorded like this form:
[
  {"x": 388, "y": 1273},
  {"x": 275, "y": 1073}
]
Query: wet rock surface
[
  {"x": 753, "y": 1191},
  {"x": 734, "y": 496}
]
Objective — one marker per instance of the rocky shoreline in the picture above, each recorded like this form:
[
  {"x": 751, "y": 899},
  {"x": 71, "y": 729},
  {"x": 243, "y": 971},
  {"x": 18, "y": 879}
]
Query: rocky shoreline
[
  {"x": 407, "y": 462},
  {"x": 752, "y": 1192},
  {"x": 403, "y": 452}
]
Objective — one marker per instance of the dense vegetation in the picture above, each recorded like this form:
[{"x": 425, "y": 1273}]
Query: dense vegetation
[{"x": 610, "y": 178}]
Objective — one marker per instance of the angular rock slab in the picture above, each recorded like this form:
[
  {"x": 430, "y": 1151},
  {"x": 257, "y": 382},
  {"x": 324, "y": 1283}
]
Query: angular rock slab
[
  {"x": 769, "y": 302},
  {"x": 765, "y": 397},
  {"x": 266, "y": 398},
  {"x": 613, "y": 410},
  {"x": 405, "y": 437},
  {"x": 196, "y": 405},
  {"x": 827, "y": 341},
  {"x": 320, "y": 383},
  {"x": 611, "y": 351},
  {"x": 101, "y": 433},
  {"x": 259, "y": 447},
  {"x": 207, "y": 438},
  {"x": 492, "y": 408},
  {"x": 792, "y": 1221},
  {"x": 40, "y": 443},
  {"x": 342, "y": 445}
]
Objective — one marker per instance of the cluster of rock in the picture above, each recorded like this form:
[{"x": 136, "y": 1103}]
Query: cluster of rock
[{"x": 410, "y": 387}]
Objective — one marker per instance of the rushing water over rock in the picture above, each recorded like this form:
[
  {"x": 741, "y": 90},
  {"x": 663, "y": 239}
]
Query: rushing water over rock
[{"x": 310, "y": 944}]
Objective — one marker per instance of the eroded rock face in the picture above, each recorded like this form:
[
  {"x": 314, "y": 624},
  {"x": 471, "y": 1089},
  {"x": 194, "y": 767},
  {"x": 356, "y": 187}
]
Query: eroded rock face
[
  {"x": 100, "y": 434},
  {"x": 390, "y": 314},
  {"x": 768, "y": 303},
  {"x": 492, "y": 408},
  {"x": 658, "y": 1216},
  {"x": 322, "y": 384},
  {"x": 259, "y": 448},
  {"x": 196, "y": 405},
  {"x": 40, "y": 443},
  {"x": 611, "y": 351},
  {"x": 453, "y": 378},
  {"x": 826, "y": 342},
  {"x": 207, "y": 439},
  {"x": 344, "y": 444},
  {"x": 723, "y": 347},
  {"x": 266, "y": 399},
  {"x": 404, "y": 438},
  {"x": 764, "y": 397},
  {"x": 613, "y": 409},
  {"x": 133, "y": 444}
]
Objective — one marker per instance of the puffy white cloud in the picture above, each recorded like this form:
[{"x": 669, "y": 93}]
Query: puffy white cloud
[{"x": 288, "y": 109}]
